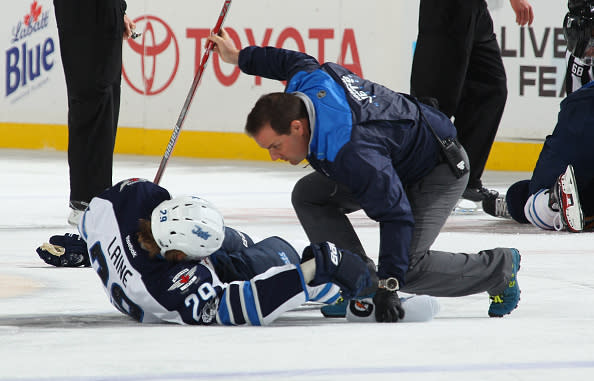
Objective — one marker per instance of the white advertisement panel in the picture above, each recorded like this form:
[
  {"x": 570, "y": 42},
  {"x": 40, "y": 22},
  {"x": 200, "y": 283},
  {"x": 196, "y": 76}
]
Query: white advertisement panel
[{"x": 374, "y": 38}]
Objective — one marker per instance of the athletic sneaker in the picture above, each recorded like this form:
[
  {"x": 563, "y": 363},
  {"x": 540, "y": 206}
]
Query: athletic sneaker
[
  {"x": 564, "y": 197},
  {"x": 336, "y": 310},
  {"x": 77, "y": 208},
  {"x": 479, "y": 194},
  {"x": 497, "y": 207},
  {"x": 506, "y": 302}
]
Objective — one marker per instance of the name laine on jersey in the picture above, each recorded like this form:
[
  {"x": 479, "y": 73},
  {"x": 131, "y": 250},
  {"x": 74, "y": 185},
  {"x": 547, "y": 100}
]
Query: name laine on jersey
[
  {"x": 130, "y": 247},
  {"x": 117, "y": 259}
]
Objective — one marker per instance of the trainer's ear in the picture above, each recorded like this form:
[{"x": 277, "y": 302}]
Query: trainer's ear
[
  {"x": 299, "y": 127},
  {"x": 295, "y": 126}
]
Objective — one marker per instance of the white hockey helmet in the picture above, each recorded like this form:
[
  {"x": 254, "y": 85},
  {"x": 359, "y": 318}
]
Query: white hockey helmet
[{"x": 189, "y": 224}]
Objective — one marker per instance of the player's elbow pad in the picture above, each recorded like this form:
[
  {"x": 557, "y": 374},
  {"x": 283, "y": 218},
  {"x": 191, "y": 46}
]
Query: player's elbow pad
[{"x": 262, "y": 299}]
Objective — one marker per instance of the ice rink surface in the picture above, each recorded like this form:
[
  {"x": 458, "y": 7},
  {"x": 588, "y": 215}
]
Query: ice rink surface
[{"x": 57, "y": 324}]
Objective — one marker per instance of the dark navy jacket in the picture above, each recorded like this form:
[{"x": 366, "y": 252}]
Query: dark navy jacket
[
  {"x": 365, "y": 136},
  {"x": 572, "y": 142}
]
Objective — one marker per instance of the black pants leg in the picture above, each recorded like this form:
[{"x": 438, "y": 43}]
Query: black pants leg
[
  {"x": 91, "y": 49},
  {"x": 483, "y": 99},
  {"x": 458, "y": 62}
]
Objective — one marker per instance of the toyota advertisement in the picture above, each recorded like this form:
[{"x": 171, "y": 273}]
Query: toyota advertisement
[{"x": 158, "y": 67}]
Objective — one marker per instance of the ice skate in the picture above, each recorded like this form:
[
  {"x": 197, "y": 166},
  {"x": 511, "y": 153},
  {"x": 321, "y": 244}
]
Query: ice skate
[
  {"x": 496, "y": 207},
  {"x": 77, "y": 209},
  {"x": 565, "y": 199}
]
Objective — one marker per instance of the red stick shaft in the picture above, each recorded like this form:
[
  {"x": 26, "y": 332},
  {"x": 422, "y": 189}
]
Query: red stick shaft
[{"x": 190, "y": 96}]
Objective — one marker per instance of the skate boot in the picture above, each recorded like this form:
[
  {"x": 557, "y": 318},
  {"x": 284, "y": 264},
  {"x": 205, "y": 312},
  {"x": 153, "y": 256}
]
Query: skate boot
[
  {"x": 77, "y": 208},
  {"x": 507, "y": 301},
  {"x": 479, "y": 194},
  {"x": 564, "y": 197},
  {"x": 497, "y": 207}
]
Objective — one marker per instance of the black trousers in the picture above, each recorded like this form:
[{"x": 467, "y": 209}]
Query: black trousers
[
  {"x": 90, "y": 34},
  {"x": 457, "y": 61}
]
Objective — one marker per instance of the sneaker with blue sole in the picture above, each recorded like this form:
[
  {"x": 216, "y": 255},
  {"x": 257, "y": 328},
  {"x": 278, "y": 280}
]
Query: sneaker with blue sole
[
  {"x": 336, "y": 310},
  {"x": 507, "y": 301}
]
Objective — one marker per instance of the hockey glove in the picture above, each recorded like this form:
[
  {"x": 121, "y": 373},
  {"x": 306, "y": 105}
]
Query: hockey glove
[
  {"x": 341, "y": 267},
  {"x": 67, "y": 250},
  {"x": 388, "y": 307}
]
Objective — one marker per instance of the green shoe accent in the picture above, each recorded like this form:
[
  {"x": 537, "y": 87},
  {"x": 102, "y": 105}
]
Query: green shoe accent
[
  {"x": 506, "y": 302},
  {"x": 336, "y": 310}
]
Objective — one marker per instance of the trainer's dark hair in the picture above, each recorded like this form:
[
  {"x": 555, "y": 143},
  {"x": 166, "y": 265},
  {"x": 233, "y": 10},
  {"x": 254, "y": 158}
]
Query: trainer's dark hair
[{"x": 278, "y": 109}]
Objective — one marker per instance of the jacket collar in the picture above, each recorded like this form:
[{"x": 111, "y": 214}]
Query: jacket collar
[{"x": 311, "y": 113}]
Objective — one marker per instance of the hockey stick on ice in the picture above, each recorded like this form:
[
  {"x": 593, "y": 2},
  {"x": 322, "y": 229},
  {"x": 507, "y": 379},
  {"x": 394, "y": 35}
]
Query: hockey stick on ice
[{"x": 186, "y": 106}]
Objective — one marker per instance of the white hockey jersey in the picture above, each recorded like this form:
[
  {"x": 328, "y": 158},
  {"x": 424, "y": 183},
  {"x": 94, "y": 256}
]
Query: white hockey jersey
[{"x": 262, "y": 279}]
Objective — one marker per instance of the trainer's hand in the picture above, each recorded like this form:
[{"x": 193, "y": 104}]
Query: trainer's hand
[
  {"x": 388, "y": 307},
  {"x": 67, "y": 250},
  {"x": 523, "y": 11},
  {"x": 225, "y": 47}
]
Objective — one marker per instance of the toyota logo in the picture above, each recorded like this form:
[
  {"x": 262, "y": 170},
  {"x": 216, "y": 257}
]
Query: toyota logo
[{"x": 157, "y": 54}]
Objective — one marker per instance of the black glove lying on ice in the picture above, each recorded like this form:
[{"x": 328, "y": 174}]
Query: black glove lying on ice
[{"x": 67, "y": 250}]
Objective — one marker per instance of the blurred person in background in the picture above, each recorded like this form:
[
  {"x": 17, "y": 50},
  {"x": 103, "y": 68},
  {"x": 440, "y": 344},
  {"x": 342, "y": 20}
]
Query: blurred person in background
[
  {"x": 90, "y": 34},
  {"x": 458, "y": 62}
]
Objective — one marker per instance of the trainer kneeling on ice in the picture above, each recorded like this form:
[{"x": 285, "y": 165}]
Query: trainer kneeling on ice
[
  {"x": 379, "y": 151},
  {"x": 173, "y": 260}
]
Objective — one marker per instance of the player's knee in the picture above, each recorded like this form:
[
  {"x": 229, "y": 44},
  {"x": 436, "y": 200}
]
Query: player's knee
[
  {"x": 538, "y": 212},
  {"x": 516, "y": 197}
]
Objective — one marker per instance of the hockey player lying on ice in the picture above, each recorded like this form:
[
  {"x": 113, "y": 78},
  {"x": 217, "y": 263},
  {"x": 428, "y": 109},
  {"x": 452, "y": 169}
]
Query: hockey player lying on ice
[{"x": 173, "y": 260}]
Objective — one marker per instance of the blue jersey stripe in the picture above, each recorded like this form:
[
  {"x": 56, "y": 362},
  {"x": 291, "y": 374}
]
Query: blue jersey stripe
[
  {"x": 223, "y": 311},
  {"x": 250, "y": 304}
]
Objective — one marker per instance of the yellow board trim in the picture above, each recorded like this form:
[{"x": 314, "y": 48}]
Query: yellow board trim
[
  {"x": 138, "y": 141},
  {"x": 505, "y": 156},
  {"x": 513, "y": 156}
]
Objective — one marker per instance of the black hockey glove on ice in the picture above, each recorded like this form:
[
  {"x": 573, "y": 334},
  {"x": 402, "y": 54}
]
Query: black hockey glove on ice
[
  {"x": 67, "y": 250},
  {"x": 341, "y": 267},
  {"x": 388, "y": 307}
]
